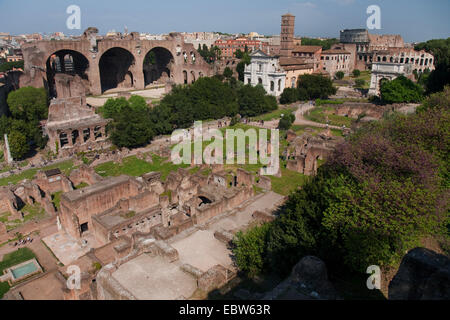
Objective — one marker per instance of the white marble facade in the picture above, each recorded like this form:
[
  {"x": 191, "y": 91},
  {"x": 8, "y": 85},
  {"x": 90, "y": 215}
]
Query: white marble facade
[{"x": 265, "y": 70}]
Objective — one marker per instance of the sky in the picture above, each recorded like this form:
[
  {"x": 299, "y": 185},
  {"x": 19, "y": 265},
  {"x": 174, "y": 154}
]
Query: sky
[{"x": 415, "y": 20}]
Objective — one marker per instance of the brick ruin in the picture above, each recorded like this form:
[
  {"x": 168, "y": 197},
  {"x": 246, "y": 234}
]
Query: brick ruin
[
  {"x": 72, "y": 125},
  {"x": 120, "y": 206},
  {"x": 305, "y": 150},
  {"x": 120, "y": 62}
]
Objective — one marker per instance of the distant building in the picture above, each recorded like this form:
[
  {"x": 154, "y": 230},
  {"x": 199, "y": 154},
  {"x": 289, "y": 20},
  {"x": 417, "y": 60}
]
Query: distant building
[
  {"x": 201, "y": 38},
  {"x": 366, "y": 48},
  {"x": 266, "y": 71},
  {"x": 295, "y": 59},
  {"x": 14, "y": 58},
  {"x": 335, "y": 60},
  {"x": 418, "y": 60},
  {"x": 386, "y": 71},
  {"x": 229, "y": 47},
  {"x": 313, "y": 53}
]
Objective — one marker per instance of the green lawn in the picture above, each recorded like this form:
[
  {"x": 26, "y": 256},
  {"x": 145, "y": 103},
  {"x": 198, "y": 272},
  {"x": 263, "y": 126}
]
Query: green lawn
[
  {"x": 318, "y": 115},
  {"x": 32, "y": 212},
  {"x": 81, "y": 185},
  {"x": 276, "y": 114},
  {"x": 12, "y": 259},
  {"x": 133, "y": 166},
  {"x": 365, "y": 75},
  {"x": 66, "y": 167},
  {"x": 289, "y": 181},
  {"x": 56, "y": 199}
]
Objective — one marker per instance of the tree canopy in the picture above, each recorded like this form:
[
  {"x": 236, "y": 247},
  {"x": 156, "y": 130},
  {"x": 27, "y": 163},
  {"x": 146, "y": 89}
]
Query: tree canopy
[
  {"x": 440, "y": 77},
  {"x": 207, "y": 98},
  {"x": 376, "y": 196},
  {"x": 399, "y": 90},
  {"x": 28, "y": 103}
]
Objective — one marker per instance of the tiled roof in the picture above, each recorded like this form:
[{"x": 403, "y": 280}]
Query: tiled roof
[{"x": 310, "y": 49}]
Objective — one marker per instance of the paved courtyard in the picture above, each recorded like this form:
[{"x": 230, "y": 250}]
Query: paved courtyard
[
  {"x": 68, "y": 249},
  {"x": 202, "y": 250},
  {"x": 153, "y": 278}
]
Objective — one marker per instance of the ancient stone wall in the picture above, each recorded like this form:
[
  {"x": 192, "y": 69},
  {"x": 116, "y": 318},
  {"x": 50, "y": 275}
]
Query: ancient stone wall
[{"x": 94, "y": 59}]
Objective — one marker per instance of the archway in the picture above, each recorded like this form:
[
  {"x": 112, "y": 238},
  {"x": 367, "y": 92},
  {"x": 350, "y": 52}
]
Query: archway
[
  {"x": 114, "y": 68},
  {"x": 203, "y": 201},
  {"x": 158, "y": 66},
  {"x": 382, "y": 81},
  {"x": 68, "y": 62}
]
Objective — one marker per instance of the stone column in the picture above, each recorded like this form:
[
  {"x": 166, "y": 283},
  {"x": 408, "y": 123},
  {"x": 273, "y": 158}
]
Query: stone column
[
  {"x": 94, "y": 74},
  {"x": 69, "y": 137},
  {"x": 103, "y": 131},
  {"x": 91, "y": 136}
]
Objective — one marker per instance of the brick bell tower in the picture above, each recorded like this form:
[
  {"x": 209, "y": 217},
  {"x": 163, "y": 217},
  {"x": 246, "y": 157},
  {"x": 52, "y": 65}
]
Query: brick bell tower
[{"x": 287, "y": 35}]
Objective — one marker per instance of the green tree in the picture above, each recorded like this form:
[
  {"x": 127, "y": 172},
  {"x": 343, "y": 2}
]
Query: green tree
[
  {"x": 137, "y": 103},
  {"x": 252, "y": 101},
  {"x": 339, "y": 75},
  {"x": 227, "y": 73},
  {"x": 28, "y": 103},
  {"x": 289, "y": 95},
  {"x": 356, "y": 73},
  {"x": 18, "y": 145},
  {"x": 360, "y": 83},
  {"x": 315, "y": 87},
  {"x": 325, "y": 44},
  {"x": 400, "y": 90},
  {"x": 7, "y": 66},
  {"x": 250, "y": 249},
  {"x": 113, "y": 107},
  {"x": 131, "y": 128},
  {"x": 240, "y": 67},
  {"x": 440, "y": 77}
]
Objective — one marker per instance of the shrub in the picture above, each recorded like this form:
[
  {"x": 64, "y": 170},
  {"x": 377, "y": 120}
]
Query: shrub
[
  {"x": 359, "y": 83},
  {"x": 250, "y": 249},
  {"x": 400, "y": 90},
  {"x": 339, "y": 75},
  {"x": 314, "y": 87},
  {"x": 289, "y": 95}
]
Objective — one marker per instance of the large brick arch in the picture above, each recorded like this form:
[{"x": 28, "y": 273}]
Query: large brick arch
[
  {"x": 161, "y": 69},
  {"x": 36, "y": 55},
  {"x": 57, "y": 63},
  {"x": 117, "y": 67}
]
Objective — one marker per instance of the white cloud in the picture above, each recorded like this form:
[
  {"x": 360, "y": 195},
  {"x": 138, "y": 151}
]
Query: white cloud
[{"x": 306, "y": 4}]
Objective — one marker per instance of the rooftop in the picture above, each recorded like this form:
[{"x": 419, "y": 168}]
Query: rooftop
[
  {"x": 309, "y": 49},
  {"x": 75, "y": 195}
]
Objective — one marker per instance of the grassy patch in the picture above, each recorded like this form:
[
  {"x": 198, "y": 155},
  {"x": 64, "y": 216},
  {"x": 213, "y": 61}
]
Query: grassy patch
[
  {"x": 81, "y": 185},
  {"x": 133, "y": 166},
  {"x": 128, "y": 215},
  {"x": 12, "y": 259},
  {"x": 289, "y": 181},
  {"x": 276, "y": 114},
  {"x": 319, "y": 114},
  {"x": 31, "y": 212},
  {"x": 4, "y": 288},
  {"x": 365, "y": 75},
  {"x": 56, "y": 199},
  {"x": 66, "y": 167}
]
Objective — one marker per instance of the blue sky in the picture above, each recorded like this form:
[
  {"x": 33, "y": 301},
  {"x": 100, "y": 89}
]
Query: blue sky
[{"x": 415, "y": 20}]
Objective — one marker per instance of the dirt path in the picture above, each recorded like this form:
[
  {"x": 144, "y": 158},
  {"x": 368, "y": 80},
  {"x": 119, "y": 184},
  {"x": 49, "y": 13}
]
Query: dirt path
[{"x": 300, "y": 120}]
